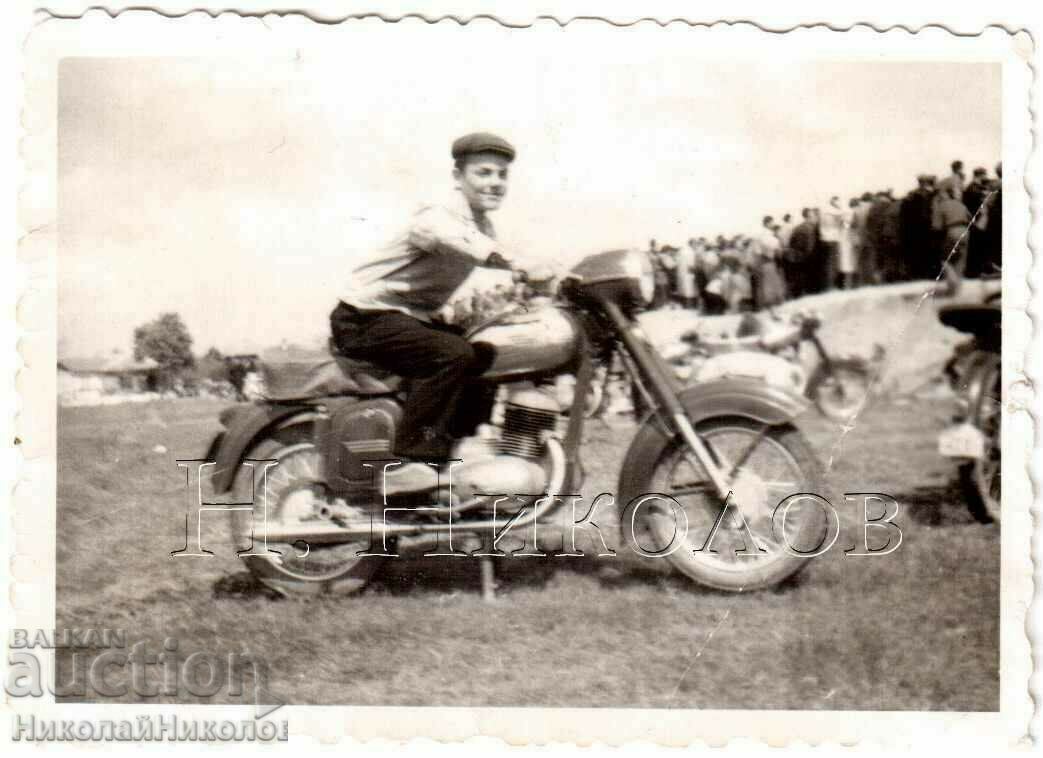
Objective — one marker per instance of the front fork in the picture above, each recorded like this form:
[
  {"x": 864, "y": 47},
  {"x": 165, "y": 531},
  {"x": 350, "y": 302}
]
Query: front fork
[
  {"x": 824, "y": 360},
  {"x": 664, "y": 389}
]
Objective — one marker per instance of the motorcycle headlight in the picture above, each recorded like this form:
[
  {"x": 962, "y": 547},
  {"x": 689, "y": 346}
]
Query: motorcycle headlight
[{"x": 638, "y": 266}]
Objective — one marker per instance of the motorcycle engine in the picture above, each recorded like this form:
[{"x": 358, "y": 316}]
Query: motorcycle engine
[
  {"x": 508, "y": 455},
  {"x": 528, "y": 414}
]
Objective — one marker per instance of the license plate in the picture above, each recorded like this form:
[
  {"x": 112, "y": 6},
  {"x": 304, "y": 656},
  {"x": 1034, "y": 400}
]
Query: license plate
[{"x": 962, "y": 441}]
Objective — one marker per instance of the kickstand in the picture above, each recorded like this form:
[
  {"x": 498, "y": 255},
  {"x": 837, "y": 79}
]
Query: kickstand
[
  {"x": 485, "y": 565},
  {"x": 474, "y": 545}
]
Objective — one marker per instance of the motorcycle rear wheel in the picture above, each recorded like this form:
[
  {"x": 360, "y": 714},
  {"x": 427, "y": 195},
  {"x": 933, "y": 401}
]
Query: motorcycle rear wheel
[
  {"x": 778, "y": 463},
  {"x": 294, "y": 486}
]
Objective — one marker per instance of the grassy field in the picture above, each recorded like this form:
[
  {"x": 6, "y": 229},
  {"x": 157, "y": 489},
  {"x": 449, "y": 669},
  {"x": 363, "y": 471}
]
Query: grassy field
[{"x": 917, "y": 629}]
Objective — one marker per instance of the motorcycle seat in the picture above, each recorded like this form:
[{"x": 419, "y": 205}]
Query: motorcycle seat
[
  {"x": 326, "y": 376},
  {"x": 971, "y": 318}
]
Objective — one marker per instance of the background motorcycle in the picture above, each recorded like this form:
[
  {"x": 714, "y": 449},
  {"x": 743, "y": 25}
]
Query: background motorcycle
[
  {"x": 974, "y": 375},
  {"x": 329, "y": 428},
  {"x": 838, "y": 386}
]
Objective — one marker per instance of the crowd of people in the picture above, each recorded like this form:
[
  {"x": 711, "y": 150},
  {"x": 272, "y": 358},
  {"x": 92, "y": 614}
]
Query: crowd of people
[{"x": 950, "y": 227}]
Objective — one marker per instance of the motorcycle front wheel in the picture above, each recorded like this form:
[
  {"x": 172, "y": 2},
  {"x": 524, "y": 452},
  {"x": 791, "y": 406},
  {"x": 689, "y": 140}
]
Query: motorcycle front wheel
[
  {"x": 841, "y": 392},
  {"x": 765, "y": 465},
  {"x": 981, "y": 478},
  {"x": 294, "y": 491}
]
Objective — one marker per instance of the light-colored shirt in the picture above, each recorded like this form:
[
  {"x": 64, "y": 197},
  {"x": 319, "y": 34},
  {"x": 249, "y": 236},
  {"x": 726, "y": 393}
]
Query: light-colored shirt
[
  {"x": 769, "y": 243},
  {"x": 950, "y": 212},
  {"x": 686, "y": 258},
  {"x": 420, "y": 269},
  {"x": 831, "y": 227},
  {"x": 952, "y": 186}
]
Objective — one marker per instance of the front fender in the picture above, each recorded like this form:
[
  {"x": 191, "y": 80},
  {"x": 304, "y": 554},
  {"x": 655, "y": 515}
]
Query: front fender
[
  {"x": 734, "y": 396},
  {"x": 245, "y": 425}
]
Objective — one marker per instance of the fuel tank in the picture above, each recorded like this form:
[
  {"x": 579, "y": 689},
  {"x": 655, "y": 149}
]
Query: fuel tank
[{"x": 539, "y": 340}]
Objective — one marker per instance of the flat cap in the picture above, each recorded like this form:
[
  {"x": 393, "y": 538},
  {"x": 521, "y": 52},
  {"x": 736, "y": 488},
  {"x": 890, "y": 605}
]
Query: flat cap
[{"x": 482, "y": 142}]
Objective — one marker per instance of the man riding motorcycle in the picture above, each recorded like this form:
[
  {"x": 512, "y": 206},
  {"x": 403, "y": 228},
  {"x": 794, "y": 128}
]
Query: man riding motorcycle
[
  {"x": 388, "y": 314},
  {"x": 340, "y": 436}
]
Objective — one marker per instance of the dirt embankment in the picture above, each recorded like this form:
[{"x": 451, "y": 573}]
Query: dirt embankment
[{"x": 897, "y": 317}]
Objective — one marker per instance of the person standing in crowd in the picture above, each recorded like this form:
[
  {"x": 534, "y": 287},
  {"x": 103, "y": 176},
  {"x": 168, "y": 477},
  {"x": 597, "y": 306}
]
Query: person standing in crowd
[
  {"x": 831, "y": 231},
  {"x": 950, "y": 221},
  {"x": 661, "y": 286},
  {"x": 668, "y": 263},
  {"x": 732, "y": 283},
  {"x": 868, "y": 272},
  {"x": 800, "y": 254},
  {"x": 974, "y": 198},
  {"x": 918, "y": 253},
  {"x": 685, "y": 274},
  {"x": 952, "y": 185},
  {"x": 878, "y": 245},
  {"x": 704, "y": 264},
  {"x": 847, "y": 247},
  {"x": 974, "y": 194},
  {"x": 893, "y": 236},
  {"x": 771, "y": 288},
  {"x": 993, "y": 258},
  {"x": 707, "y": 263},
  {"x": 784, "y": 231}
]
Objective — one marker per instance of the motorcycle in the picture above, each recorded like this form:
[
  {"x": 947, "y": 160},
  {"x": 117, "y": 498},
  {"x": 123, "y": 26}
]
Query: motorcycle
[
  {"x": 973, "y": 439},
  {"x": 312, "y": 455},
  {"x": 838, "y": 386}
]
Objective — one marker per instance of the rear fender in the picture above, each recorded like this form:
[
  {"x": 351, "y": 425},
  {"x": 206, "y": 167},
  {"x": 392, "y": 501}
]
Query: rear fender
[
  {"x": 246, "y": 427},
  {"x": 735, "y": 396}
]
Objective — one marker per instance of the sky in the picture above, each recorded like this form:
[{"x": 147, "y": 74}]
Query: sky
[{"x": 240, "y": 192}]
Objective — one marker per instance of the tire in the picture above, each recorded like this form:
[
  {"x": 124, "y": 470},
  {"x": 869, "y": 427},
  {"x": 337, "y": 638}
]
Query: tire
[
  {"x": 719, "y": 567},
  {"x": 842, "y": 392},
  {"x": 981, "y": 478},
  {"x": 295, "y": 483}
]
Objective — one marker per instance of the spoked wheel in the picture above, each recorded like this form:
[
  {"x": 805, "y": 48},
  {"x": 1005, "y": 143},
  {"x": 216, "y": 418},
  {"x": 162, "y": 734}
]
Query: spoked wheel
[
  {"x": 766, "y": 465},
  {"x": 981, "y": 478},
  {"x": 295, "y": 493},
  {"x": 843, "y": 391}
]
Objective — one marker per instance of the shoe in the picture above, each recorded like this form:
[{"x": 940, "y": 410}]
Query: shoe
[{"x": 410, "y": 477}]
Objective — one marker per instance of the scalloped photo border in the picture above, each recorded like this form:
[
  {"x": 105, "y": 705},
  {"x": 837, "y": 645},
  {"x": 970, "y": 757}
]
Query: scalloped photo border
[{"x": 199, "y": 34}]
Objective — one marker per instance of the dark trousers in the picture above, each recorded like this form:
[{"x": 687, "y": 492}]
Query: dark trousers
[
  {"x": 437, "y": 361},
  {"x": 794, "y": 274},
  {"x": 827, "y": 255}
]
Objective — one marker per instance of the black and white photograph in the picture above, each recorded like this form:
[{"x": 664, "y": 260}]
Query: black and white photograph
[{"x": 468, "y": 366}]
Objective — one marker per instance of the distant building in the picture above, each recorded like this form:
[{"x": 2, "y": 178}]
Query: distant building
[{"x": 88, "y": 381}]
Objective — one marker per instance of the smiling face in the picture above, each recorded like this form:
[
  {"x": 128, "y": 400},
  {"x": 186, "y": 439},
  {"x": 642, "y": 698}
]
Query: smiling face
[{"x": 482, "y": 178}]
